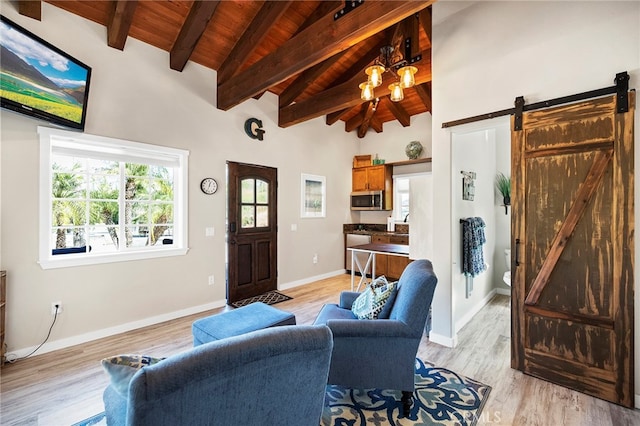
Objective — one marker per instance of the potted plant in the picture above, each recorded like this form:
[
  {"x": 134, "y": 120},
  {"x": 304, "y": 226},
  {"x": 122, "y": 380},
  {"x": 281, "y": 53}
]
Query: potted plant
[{"x": 503, "y": 184}]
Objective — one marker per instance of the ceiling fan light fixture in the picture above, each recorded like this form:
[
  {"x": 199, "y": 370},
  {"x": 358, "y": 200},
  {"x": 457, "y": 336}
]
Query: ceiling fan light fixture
[
  {"x": 396, "y": 94},
  {"x": 375, "y": 74},
  {"x": 407, "y": 78},
  {"x": 367, "y": 91}
]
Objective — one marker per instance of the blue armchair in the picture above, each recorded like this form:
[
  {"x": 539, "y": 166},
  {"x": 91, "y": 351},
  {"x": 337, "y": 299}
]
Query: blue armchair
[
  {"x": 275, "y": 376},
  {"x": 381, "y": 353}
]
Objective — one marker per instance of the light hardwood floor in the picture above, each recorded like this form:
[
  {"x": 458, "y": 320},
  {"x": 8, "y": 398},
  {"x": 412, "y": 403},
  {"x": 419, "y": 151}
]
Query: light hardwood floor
[{"x": 63, "y": 387}]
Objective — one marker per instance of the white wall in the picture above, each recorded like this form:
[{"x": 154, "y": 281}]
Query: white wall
[
  {"x": 472, "y": 152},
  {"x": 420, "y": 209},
  {"x": 502, "y": 220},
  {"x": 487, "y": 53},
  {"x": 134, "y": 95},
  {"x": 390, "y": 145}
]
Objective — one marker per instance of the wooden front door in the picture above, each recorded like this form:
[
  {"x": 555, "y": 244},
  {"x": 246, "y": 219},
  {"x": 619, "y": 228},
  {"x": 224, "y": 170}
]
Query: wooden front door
[
  {"x": 572, "y": 248},
  {"x": 252, "y": 235}
]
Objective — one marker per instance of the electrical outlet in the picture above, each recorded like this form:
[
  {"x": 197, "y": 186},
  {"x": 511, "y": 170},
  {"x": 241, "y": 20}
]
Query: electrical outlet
[
  {"x": 53, "y": 308},
  {"x": 315, "y": 258},
  {"x": 211, "y": 280}
]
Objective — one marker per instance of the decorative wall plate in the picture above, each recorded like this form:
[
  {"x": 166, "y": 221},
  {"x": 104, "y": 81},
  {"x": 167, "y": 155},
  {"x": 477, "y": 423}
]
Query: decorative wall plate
[{"x": 413, "y": 150}]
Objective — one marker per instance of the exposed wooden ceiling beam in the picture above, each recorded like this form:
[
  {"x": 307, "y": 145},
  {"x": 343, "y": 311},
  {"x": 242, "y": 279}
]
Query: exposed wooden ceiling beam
[
  {"x": 341, "y": 96},
  {"x": 318, "y": 42},
  {"x": 412, "y": 31},
  {"x": 195, "y": 24},
  {"x": 267, "y": 16},
  {"x": 357, "y": 69},
  {"x": 120, "y": 19},
  {"x": 366, "y": 121},
  {"x": 355, "y": 121},
  {"x": 398, "y": 111},
  {"x": 308, "y": 76},
  {"x": 325, "y": 8},
  {"x": 376, "y": 124},
  {"x": 30, "y": 8},
  {"x": 426, "y": 22},
  {"x": 305, "y": 78},
  {"x": 424, "y": 91},
  {"x": 335, "y": 116}
]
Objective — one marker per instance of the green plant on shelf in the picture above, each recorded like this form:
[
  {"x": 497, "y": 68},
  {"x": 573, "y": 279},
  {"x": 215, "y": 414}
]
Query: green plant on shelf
[{"x": 503, "y": 185}]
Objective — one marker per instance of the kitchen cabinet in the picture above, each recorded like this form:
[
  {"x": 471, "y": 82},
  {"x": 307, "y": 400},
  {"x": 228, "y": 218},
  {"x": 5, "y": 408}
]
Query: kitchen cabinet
[
  {"x": 381, "y": 259},
  {"x": 372, "y": 178},
  {"x": 396, "y": 264},
  {"x": 390, "y": 266}
]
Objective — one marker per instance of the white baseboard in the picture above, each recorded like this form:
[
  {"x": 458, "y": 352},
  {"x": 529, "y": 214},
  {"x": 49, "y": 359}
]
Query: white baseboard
[
  {"x": 504, "y": 291},
  {"x": 467, "y": 317},
  {"x": 106, "y": 332},
  {"x": 308, "y": 280},
  {"x": 443, "y": 340}
]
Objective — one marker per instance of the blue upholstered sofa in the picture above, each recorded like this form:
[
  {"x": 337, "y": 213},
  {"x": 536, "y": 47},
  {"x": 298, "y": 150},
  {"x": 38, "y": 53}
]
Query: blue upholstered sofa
[
  {"x": 275, "y": 376},
  {"x": 381, "y": 353}
]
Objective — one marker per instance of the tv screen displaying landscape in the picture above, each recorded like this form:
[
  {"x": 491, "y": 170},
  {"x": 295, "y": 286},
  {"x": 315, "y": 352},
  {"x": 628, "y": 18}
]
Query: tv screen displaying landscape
[{"x": 40, "y": 80}]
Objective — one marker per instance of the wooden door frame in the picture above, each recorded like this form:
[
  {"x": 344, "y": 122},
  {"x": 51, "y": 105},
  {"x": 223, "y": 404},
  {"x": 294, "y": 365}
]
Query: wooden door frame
[{"x": 232, "y": 237}]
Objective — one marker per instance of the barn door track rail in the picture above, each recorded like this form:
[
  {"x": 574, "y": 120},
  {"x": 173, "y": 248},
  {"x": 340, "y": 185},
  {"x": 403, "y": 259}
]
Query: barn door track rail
[{"x": 620, "y": 89}]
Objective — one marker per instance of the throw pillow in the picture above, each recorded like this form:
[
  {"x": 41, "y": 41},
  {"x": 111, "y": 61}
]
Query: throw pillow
[
  {"x": 388, "y": 305},
  {"x": 373, "y": 298},
  {"x": 121, "y": 369}
]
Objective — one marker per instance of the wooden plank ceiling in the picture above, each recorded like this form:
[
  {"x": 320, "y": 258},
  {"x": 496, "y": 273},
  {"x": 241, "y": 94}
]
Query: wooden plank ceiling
[{"x": 294, "y": 49}]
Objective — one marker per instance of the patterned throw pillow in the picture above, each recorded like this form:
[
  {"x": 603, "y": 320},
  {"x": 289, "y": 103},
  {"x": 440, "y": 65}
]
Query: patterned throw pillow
[
  {"x": 371, "y": 301},
  {"x": 121, "y": 369},
  {"x": 385, "y": 313}
]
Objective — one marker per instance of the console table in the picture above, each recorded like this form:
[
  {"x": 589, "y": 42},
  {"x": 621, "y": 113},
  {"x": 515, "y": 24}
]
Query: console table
[{"x": 372, "y": 249}]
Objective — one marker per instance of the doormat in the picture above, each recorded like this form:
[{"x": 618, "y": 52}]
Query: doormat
[{"x": 270, "y": 298}]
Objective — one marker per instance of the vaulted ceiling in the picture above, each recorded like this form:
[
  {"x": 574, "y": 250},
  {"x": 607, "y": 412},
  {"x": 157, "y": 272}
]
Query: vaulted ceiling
[{"x": 297, "y": 50}]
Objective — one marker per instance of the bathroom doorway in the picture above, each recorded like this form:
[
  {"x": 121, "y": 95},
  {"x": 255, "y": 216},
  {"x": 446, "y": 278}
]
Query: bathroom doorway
[{"x": 481, "y": 150}]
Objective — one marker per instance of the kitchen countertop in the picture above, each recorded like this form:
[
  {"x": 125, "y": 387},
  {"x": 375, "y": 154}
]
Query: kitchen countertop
[
  {"x": 402, "y": 229},
  {"x": 364, "y": 232}
]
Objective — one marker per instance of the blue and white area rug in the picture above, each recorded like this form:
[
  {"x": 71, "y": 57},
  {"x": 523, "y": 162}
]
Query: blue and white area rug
[{"x": 442, "y": 397}]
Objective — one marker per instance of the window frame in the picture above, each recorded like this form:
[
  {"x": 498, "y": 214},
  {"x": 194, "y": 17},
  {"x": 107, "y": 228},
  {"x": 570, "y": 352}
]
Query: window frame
[
  {"x": 124, "y": 150},
  {"x": 397, "y": 208},
  {"x": 396, "y": 214}
]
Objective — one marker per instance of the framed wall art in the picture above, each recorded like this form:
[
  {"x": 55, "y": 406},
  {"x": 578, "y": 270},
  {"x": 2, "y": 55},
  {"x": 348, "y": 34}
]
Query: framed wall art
[{"x": 313, "y": 196}]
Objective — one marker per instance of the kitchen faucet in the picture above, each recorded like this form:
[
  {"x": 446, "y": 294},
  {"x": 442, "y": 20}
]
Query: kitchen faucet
[{"x": 406, "y": 217}]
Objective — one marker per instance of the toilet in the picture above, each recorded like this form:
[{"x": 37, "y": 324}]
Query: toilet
[{"x": 507, "y": 275}]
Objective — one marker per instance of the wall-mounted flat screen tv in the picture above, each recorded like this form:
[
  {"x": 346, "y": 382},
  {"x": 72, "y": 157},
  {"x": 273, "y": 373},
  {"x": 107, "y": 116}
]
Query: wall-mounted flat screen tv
[{"x": 40, "y": 80}]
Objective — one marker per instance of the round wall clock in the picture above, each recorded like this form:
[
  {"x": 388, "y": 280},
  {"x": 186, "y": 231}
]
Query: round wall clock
[{"x": 209, "y": 185}]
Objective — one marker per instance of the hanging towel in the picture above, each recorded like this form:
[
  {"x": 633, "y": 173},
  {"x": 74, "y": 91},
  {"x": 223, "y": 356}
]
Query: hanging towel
[{"x": 473, "y": 240}]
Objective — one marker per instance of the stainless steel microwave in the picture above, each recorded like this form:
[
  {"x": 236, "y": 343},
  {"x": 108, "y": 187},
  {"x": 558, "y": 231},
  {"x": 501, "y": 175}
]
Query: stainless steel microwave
[{"x": 367, "y": 200}]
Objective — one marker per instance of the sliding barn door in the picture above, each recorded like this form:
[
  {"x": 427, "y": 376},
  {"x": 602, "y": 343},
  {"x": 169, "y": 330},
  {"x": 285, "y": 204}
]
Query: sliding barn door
[{"x": 572, "y": 247}]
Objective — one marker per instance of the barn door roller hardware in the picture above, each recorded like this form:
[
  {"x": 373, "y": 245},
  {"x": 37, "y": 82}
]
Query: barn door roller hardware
[{"x": 621, "y": 90}]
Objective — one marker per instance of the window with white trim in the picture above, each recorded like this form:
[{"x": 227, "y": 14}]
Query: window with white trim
[
  {"x": 400, "y": 198},
  {"x": 108, "y": 200}
]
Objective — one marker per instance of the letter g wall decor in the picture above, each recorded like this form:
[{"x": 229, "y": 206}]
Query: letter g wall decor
[{"x": 253, "y": 128}]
